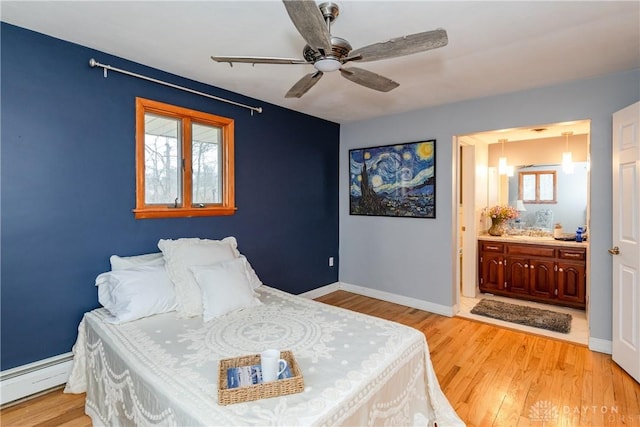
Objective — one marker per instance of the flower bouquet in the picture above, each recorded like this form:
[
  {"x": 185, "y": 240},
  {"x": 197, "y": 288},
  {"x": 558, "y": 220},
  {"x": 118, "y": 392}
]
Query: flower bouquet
[
  {"x": 500, "y": 214},
  {"x": 503, "y": 213}
]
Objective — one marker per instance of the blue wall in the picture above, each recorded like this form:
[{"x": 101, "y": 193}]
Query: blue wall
[{"x": 68, "y": 187}]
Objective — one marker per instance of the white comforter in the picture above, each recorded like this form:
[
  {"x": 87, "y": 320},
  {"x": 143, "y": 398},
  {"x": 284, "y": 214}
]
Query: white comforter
[{"x": 358, "y": 370}]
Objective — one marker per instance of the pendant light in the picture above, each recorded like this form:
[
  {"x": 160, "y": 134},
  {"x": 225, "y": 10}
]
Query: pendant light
[
  {"x": 503, "y": 169},
  {"x": 567, "y": 161}
]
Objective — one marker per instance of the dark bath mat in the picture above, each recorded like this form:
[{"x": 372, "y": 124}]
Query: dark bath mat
[{"x": 530, "y": 316}]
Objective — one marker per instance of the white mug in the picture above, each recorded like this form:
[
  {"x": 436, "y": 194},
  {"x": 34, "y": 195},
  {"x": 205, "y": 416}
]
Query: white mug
[{"x": 271, "y": 364}]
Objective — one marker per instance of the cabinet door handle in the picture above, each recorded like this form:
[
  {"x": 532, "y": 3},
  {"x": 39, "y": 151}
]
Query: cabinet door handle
[
  {"x": 560, "y": 270},
  {"x": 531, "y": 267},
  {"x": 526, "y": 265},
  {"x": 493, "y": 248},
  {"x": 569, "y": 254}
]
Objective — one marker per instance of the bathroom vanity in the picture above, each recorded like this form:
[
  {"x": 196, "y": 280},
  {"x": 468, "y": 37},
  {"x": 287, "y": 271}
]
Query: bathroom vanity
[{"x": 533, "y": 268}]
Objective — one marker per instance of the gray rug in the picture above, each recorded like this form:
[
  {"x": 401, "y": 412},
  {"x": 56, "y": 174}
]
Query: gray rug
[{"x": 538, "y": 318}]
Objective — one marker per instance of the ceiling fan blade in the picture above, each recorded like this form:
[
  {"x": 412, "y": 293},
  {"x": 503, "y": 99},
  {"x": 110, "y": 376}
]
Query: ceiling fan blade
[
  {"x": 258, "y": 60},
  {"x": 303, "y": 85},
  {"x": 400, "y": 46},
  {"x": 308, "y": 19},
  {"x": 368, "y": 79}
]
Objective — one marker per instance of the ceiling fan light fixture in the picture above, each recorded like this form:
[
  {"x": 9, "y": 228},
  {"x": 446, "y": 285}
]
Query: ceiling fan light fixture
[
  {"x": 328, "y": 53},
  {"x": 327, "y": 64}
]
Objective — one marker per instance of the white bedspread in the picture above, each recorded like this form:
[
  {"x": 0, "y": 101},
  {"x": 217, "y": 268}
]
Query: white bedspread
[{"x": 358, "y": 370}]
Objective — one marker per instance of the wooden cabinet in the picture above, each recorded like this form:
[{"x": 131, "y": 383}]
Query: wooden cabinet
[
  {"x": 546, "y": 273},
  {"x": 543, "y": 278},
  {"x": 517, "y": 278},
  {"x": 492, "y": 271}
]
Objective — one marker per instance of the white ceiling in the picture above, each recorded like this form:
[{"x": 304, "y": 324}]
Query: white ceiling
[
  {"x": 494, "y": 47},
  {"x": 538, "y": 131}
]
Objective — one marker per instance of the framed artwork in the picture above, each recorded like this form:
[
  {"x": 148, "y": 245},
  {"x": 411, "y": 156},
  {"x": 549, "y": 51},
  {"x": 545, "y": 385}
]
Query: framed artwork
[{"x": 393, "y": 180}]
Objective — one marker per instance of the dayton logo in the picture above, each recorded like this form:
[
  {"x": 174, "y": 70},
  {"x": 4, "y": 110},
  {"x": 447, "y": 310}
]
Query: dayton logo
[{"x": 543, "y": 410}]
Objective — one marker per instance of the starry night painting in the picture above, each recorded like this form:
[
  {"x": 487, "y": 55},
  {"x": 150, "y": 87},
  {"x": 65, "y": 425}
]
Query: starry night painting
[{"x": 393, "y": 180}]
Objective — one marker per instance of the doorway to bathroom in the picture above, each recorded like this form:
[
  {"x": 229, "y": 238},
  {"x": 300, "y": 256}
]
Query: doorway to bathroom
[{"x": 542, "y": 172}]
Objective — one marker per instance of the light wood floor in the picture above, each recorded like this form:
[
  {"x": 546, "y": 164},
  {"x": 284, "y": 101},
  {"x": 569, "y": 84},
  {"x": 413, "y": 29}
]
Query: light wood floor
[{"x": 492, "y": 376}]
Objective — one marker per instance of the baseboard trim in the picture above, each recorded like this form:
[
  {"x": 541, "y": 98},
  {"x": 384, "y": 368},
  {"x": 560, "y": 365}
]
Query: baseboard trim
[
  {"x": 323, "y": 290},
  {"x": 25, "y": 380},
  {"x": 382, "y": 295},
  {"x": 400, "y": 299},
  {"x": 600, "y": 345}
]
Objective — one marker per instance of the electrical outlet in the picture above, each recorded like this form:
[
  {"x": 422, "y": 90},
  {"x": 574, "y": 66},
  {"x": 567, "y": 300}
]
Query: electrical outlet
[{"x": 330, "y": 261}]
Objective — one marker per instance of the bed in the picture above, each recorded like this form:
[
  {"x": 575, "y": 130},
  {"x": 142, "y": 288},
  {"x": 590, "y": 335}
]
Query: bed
[{"x": 162, "y": 369}]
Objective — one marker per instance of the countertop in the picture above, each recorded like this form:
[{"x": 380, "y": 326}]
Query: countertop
[{"x": 531, "y": 240}]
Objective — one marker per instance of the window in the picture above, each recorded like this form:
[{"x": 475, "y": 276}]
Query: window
[
  {"x": 184, "y": 162},
  {"x": 537, "y": 187}
]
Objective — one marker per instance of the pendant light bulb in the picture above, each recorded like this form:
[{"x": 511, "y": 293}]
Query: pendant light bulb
[
  {"x": 567, "y": 161},
  {"x": 503, "y": 169}
]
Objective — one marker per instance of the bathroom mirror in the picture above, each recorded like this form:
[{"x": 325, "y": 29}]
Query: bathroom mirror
[
  {"x": 569, "y": 209},
  {"x": 551, "y": 193}
]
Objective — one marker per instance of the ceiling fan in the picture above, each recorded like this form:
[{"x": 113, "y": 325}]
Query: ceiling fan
[{"x": 329, "y": 53}]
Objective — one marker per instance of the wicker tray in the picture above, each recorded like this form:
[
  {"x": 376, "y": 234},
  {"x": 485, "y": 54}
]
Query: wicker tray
[{"x": 227, "y": 396}]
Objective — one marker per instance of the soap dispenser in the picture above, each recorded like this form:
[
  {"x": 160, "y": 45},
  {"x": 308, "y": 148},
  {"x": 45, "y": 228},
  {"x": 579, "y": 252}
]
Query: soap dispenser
[{"x": 579, "y": 234}]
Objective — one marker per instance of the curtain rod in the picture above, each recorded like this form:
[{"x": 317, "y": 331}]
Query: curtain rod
[{"x": 93, "y": 63}]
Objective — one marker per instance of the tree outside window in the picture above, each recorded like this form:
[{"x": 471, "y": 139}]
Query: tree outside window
[
  {"x": 537, "y": 187},
  {"x": 184, "y": 162}
]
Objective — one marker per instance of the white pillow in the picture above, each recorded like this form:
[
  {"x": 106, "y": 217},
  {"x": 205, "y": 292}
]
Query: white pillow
[
  {"x": 254, "y": 281},
  {"x": 225, "y": 287},
  {"x": 123, "y": 262},
  {"x": 181, "y": 254},
  {"x": 136, "y": 292}
]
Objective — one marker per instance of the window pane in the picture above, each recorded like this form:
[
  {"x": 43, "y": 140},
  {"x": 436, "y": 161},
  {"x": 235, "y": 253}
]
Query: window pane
[
  {"x": 546, "y": 186},
  {"x": 206, "y": 161},
  {"x": 162, "y": 165},
  {"x": 528, "y": 187}
]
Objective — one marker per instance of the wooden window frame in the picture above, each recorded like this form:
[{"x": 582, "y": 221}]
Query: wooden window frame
[
  {"x": 537, "y": 175},
  {"x": 187, "y": 117}
]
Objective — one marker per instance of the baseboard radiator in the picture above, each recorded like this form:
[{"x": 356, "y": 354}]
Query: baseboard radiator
[{"x": 25, "y": 380}]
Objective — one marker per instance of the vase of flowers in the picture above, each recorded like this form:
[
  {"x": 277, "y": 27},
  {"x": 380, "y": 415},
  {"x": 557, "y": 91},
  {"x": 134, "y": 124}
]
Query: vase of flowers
[{"x": 499, "y": 216}]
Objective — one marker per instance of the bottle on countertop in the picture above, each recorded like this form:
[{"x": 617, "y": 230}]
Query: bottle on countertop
[
  {"x": 557, "y": 231},
  {"x": 579, "y": 234}
]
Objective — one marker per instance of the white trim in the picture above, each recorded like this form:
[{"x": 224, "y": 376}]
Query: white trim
[
  {"x": 321, "y": 291},
  {"x": 385, "y": 296},
  {"x": 400, "y": 299},
  {"x": 601, "y": 346},
  {"x": 25, "y": 380}
]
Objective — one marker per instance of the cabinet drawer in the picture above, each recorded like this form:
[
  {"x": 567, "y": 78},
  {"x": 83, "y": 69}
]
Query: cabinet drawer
[
  {"x": 532, "y": 250},
  {"x": 492, "y": 247},
  {"x": 577, "y": 254}
]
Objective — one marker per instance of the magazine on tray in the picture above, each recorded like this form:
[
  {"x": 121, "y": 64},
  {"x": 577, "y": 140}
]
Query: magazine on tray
[{"x": 243, "y": 376}]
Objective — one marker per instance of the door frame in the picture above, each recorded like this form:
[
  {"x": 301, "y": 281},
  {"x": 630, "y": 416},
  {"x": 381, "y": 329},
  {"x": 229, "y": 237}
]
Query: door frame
[
  {"x": 481, "y": 174},
  {"x": 474, "y": 158}
]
